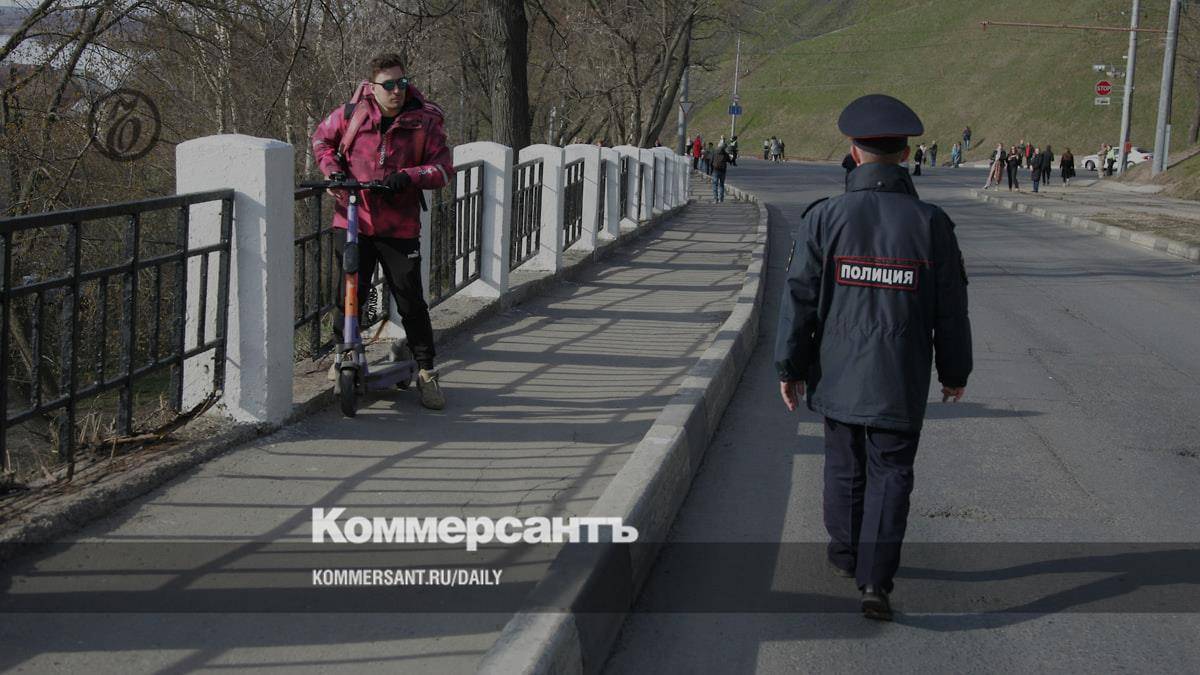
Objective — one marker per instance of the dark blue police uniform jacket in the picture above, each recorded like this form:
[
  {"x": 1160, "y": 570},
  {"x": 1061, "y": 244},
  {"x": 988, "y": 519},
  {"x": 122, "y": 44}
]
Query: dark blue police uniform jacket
[{"x": 876, "y": 285}]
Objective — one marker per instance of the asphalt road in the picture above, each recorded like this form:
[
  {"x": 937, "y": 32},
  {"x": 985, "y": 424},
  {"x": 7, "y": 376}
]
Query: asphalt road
[{"x": 1053, "y": 523}]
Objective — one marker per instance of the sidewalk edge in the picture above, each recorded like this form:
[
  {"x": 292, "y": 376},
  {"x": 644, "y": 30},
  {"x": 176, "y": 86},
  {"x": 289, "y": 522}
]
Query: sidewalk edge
[
  {"x": 646, "y": 493},
  {"x": 1142, "y": 239}
]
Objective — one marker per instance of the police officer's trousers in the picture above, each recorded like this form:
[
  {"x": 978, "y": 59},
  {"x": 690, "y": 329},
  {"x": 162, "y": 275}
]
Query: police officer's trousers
[{"x": 868, "y": 480}]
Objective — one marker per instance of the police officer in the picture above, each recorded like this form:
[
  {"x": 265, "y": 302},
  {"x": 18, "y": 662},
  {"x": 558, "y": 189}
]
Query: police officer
[{"x": 876, "y": 287}]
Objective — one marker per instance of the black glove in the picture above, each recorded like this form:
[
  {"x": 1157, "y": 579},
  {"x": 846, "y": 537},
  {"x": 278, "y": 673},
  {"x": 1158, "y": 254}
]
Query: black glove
[{"x": 397, "y": 181}]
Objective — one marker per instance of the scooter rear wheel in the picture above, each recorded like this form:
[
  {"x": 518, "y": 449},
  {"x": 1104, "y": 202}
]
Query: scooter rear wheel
[{"x": 347, "y": 395}]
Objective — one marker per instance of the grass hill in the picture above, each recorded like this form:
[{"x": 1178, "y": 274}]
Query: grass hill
[{"x": 803, "y": 61}]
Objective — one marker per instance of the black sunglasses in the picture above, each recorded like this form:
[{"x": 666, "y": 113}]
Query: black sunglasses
[{"x": 402, "y": 83}]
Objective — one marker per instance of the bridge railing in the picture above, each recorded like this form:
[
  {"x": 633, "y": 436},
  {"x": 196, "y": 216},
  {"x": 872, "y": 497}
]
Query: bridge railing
[
  {"x": 213, "y": 285},
  {"x": 93, "y": 350}
]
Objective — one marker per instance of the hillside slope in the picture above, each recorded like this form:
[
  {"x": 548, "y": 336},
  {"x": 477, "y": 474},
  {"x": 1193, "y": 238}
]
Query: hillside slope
[{"x": 1006, "y": 83}]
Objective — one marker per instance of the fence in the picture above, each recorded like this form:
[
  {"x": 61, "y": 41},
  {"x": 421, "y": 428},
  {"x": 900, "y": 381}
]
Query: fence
[
  {"x": 602, "y": 191},
  {"x": 456, "y": 251},
  {"x": 154, "y": 272},
  {"x": 526, "y": 222},
  {"x": 95, "y": 351},
  {"x": 573, "y": 208}
]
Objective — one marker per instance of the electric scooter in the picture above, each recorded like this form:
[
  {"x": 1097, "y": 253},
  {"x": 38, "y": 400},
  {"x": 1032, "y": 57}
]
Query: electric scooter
[{"x": 355, "y": 378}]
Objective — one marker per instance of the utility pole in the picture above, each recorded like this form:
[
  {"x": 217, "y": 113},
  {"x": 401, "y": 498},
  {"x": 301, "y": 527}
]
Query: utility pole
[
  {"x": 1127, "y": 104},
  {"x": 684, "y": 105},
  {"x": 1161, "y": 133},
  {"x": 737, "y": 64}
]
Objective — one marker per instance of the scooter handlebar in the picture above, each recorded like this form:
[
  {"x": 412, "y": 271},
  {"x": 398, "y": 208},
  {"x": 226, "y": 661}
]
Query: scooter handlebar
[{"x": 346, "y": 184}]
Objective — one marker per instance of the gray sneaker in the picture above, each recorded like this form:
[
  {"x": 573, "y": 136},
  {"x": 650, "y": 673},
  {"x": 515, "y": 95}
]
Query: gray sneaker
[{"x": 431, "y": 390}]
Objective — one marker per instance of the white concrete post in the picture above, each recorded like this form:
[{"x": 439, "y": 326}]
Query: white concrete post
[
  {"x": 668, "y": 183},
  {"x": 611, "y": 227},
  {"x": 646, "y": 157},
  {"x": 259, "y": 336},
  {"x": 590, "y": 154},
  {"x": 632, "y": 152},
  {"x": 497, "y": 208},
  {"x": 549, "y": 255},
  {"x": 684, "y": 178}
]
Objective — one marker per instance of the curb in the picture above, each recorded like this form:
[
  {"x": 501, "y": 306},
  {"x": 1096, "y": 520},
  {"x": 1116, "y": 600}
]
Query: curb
[
  {"x": 1149, "y": 241},
  {"x": 573, "y": 616},
  {"x": 62, "y": 514}
]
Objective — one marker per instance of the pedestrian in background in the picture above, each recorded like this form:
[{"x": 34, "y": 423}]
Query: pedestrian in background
[
  {"x": 966, "y": 139},
  {"x": 933, "y": 155},
  {"x": 697, "y": 151},
  {"x": 776, "y": 149},
  {"x": 1111, "y": 159},
  {"x": 1013, "y": 164},
  {"x": 782, "y": 151},
  {"x": 996, "y": 170},
  {"x": 1066, "y": 164},
  {"x": 720, "y": 162},
  {"x": 918, "y": 159},
  {"x": 1047, "y": 165},
  {"x": 766, "y": 149},
  {"x": 955, "y": 155},
  {"x": 875, "y": 288},
  {"x": 1022, "y": 146},
  {"x": 1035, "y": 168},
  {"x": 707, "y": 159},
  {"x": 732, "y": 149}
]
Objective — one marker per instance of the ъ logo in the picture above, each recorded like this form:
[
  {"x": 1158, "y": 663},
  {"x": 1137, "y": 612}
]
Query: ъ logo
[{"x": 889, "y": 273}]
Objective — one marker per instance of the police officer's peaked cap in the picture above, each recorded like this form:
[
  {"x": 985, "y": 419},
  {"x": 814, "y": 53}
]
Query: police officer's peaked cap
[{"x": 879, "y": 123}]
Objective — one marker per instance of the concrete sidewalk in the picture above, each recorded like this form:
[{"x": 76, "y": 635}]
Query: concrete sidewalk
[{"x": 546, "y": 402}]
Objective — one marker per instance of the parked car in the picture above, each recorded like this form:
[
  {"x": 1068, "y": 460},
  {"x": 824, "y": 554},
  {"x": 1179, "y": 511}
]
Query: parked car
[{"x": 1136, "y": 155}]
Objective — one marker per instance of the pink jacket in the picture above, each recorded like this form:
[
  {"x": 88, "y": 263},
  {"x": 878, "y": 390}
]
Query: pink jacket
[{"x": 414, "y": 144}]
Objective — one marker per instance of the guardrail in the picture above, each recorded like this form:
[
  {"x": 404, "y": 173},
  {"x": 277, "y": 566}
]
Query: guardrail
[
  {"x": 525, "y": 225},
  {"x": 106, "y": 344},
  {"x": 456, "y": 247},
  {"x": 275, "y": 281},
  {"x": 573, "y": 206}
]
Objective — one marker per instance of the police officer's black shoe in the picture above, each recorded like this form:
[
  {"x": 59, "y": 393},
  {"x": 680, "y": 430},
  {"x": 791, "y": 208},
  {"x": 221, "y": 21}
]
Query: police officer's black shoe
[{"x": 875, "y": 604}]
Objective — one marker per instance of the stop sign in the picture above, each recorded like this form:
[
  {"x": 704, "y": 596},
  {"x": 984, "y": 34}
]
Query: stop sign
[{"x": 1103, "y": 88}]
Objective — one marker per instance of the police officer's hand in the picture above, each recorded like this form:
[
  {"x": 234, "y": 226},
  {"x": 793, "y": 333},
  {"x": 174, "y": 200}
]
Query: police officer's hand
[
  {"x": 955, "y": 393},
  {"x": 790, "y": 390}
]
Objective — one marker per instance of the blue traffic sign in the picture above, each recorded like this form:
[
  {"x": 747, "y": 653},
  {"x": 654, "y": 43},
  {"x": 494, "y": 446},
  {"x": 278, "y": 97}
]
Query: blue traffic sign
[{"x": 735, "y": 110}]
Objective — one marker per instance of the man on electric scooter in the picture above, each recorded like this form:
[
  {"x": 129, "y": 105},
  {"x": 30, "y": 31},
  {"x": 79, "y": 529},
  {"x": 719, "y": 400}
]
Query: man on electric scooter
[{"x": 389, "y": 133}]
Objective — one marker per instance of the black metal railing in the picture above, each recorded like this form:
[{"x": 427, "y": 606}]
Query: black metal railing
[
  {"x": 525, "y": 226},
  {"x": 117, "y": 326},
  {"x": 318, "y": 270},
  {"x": 654, "y": 183},
  {"x": 601, "y": 195},
  {"x": 573, "y": 205},
  {"x": 624, "y": 186},
  {"x": 641, "y": 185},
  {"x": 456, "y": 235}
]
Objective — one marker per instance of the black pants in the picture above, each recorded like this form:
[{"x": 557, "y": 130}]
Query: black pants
[
  {"x": 868, "y": 480},
  {"x": 1045, "y": 175},
  {"x": 401, "y": 263},
  {"x": 1012, "y": 177}
]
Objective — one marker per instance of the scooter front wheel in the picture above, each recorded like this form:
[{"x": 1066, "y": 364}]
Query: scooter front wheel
[{"x": 347, "y": 394}]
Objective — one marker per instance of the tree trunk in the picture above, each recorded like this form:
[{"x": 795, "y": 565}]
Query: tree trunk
[{"x": 508, "y": 58}]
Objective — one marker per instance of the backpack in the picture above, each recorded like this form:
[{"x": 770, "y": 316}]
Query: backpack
[{"x": 720, "y": 159}]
